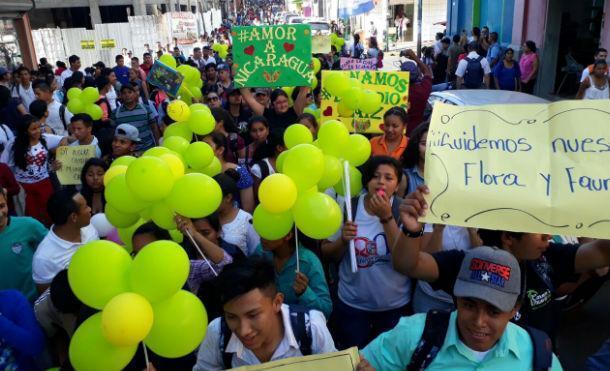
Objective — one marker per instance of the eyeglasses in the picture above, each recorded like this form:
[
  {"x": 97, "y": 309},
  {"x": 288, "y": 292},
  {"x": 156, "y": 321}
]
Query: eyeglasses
[{"x": 213, "y": 98}]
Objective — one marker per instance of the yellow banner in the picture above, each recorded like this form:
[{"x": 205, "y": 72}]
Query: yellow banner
[
  {"x": 108, "y": 43},
  {"x": 72, "y": 159},
  {"x": 346, "y": 360},
  {"x": 320, "y": 44},
  {"x": 527, "y": 168},
  {"x": 87, "y": 44},
  {"x": 392, "y": 86}
]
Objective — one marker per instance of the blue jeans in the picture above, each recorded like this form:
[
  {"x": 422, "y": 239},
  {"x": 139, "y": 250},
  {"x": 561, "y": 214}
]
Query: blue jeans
[{"x": 356, "y": 327}]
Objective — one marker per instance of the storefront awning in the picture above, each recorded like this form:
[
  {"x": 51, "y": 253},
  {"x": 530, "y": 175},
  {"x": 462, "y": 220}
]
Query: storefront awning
[{"x": 15, "y": 8}]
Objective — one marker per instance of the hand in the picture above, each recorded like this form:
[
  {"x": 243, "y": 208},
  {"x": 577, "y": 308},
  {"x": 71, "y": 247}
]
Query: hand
[
  {"x": 350, "y": 231},
  {"x": 364, "y": 365},
  {"x": 150, "y": 367},
  {"x": 56, "y": 165},
  {"x": 185, "y": 225},
  {"x": 380, "y": 205},
  {"x": 300, "y": 283},
  {"x": 412, "y": 207}
]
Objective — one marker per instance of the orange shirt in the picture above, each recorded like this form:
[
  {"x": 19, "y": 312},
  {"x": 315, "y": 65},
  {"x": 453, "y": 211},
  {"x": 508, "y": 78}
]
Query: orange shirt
[{"x": 379, "y": 147}]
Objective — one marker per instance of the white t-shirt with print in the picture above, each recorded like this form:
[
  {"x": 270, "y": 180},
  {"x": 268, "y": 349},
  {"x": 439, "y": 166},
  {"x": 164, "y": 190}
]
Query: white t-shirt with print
[
  {"x": 241, "y": 233},
  {"x": 37, "y": 160},
  {"x": 54, "y": 120},
  {"x": 26, "y": 95}
]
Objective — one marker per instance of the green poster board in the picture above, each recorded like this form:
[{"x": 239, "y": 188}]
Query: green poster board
[{"x": 270, "y": 56}]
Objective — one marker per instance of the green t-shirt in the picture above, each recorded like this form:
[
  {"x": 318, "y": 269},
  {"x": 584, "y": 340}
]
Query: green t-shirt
[{"x": 18, "y": 241}]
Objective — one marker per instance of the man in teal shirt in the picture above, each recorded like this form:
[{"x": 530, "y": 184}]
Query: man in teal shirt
[
  {"x": 19, "y": 237},
  {"x": 479, "y": 335}
]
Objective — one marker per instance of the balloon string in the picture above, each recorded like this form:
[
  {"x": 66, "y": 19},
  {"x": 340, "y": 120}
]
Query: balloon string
[
  {"x": 199, "y": 251},
  {"x": 146, "y": 357},
  {"x": 296, "y": 239}
]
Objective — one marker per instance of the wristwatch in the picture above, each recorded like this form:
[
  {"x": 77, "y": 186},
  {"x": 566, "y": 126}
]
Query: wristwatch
[{"x": 410, "y": 234}]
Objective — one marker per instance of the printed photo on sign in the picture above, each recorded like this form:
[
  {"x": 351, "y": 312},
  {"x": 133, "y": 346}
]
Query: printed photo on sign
[{"x": 165, "y": 78}]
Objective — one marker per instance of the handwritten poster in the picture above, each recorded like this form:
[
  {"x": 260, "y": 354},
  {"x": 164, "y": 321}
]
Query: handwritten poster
[
  {"x": 392, "y": 86},
  {"x": 348, "y": 64},
  {"x": 271, "y": 56},
  {"x": 183, "y": 26},
  {"x": 165, "y": 78},
  {"x": 346, "y": 360},
  {"x": 320, "y": 44},
  {"x": 72, "y": 159},
  {"x": 527, "y": 168}
]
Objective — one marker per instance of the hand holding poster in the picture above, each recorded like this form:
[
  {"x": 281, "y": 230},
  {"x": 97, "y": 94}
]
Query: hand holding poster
[
  {"x": 524, "y": 168},
  {"x": 346, "y": 360},
  {"x": 348, "y": 64},
  {"x": 72, "y": 159},
  {"x": 320, "y": 44},
  {"x": 271, "y": 56}
]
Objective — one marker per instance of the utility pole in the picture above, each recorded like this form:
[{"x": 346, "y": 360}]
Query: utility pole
[{"x": 419, "y": 21}]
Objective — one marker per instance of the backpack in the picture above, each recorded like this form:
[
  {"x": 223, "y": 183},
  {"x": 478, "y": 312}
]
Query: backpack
[
  {"x": 299, "y": 321},
  {"x": 62, "y": 116},
  {"x": 435, "y": 330},
  {"x": 473, "y": 78}
]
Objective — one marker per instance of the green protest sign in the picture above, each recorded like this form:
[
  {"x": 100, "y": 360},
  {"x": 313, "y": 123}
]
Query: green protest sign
[{"x": 270, "y": 56}]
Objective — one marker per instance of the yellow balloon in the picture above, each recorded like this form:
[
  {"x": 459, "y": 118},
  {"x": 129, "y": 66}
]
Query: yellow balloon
[
  {"x": 127, "y": 319},
  {"x": 112, "y": 172},
  {"x": 178, "y": 110},
  {"x": 277, "y": 193},
  {"x": 168, "y": 60},
  {"x": 176, "y": 166}
]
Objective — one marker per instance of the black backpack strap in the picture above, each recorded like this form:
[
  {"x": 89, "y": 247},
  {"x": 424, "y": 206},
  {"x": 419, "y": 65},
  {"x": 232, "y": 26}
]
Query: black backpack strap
[
  {"x": 225, "y": 336},
  {"x": 479, "y": 59},
  {"x": 543, "y": 349},
  {"x": 432, "y": 339},
  {"x": 301, "y": 327},
  {"x": 62, "y": 116}
]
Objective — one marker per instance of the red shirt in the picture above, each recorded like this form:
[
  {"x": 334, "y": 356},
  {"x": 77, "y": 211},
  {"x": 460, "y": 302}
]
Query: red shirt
[
  {"x": 146, "y": 68},
  {"x": 418, "y": 98},
  {"x": 8, "y": 182}
]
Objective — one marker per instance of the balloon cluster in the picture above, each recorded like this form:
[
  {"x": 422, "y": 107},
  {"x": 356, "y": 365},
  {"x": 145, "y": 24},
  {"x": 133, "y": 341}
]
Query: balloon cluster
[
  {"x": 168, "y": 180},
  {"x": 140, "y": 300},
  {"x": 351, "y": 94},
  {"x": 83, "y": 101},
  {"x": 191, "y": 86},
  {"x": 221, "y": 49},
  {"x": 292, "y": 196},
  {"x": 336, "y": 41}
]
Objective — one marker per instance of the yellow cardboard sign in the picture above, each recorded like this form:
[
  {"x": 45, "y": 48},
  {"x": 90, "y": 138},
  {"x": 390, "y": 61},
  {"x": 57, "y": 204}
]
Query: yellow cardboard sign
[
  {"x": 346, "y": 360},
  {"x": 528, "y": 168},
  {"x": 393, "y": 86},
  {"x": 87, "y": 44},
  {"x": 72, "y": 159},
  {"x": 108, "y": 43},
  {"x": 320, "y": 44}
]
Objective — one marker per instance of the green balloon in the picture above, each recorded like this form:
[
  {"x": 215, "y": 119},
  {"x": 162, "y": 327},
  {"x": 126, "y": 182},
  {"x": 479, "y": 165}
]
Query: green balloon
[
  {"x": 94, "y": 111},
  {"x": 76, "y": 105},
  {"x": 123, "y": 160},
  {"x": 332, "y": 172},
  {"x": 168, "y": 60},
  {"x": 358, "y": 150},
  {"x": 90, "y": 95},
  {"x": 176, "y": 143},
  {"x": 297, "y": 134},
  {"x": 279, "y": 162},
  {"x": 352, "y": 98},
  {"x": 121, "y": 198},
  {"x": 150, "y": 178},
  {"x": 201, "y": 122},
  {"x": 214, "y": 168},
  {"x": 74, "y": 93},
  {"x": 126, "y": 234},
  {"x": 271, "y": 226},
  {"x": 370, "y": 102},
  {"x": 333, "y": 136},
  {"x": 163, "y": 216},
  {"x": 159, "y": 270},
  {"x": 199, "y": 155},
  {"x": 179, "y": 327},
  {"x": 119, "y": 219},
  {"x": 304, "y": 163},
  {"x": 98, "y": 272},
  {"x": 89, "y": 349},
  {"x": 317, "y": 215},
  {"x": 176, "y": 235},
  {"x": 156, "y": 151},
  {"x": 355, "y": 183},
  {"x": 336, "y": 83},
  {"x": 199, "y": 107},
  {"x": 195, "y": 196},
  {"x": 180, "y": 129}
]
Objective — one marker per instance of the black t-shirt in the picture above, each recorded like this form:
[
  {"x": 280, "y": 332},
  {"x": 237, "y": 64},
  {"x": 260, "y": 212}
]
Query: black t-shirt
[
  {"x": 281, "y": 120},
  {"x": 241, "y": 122},
  {"x": 542, "y": 277}
]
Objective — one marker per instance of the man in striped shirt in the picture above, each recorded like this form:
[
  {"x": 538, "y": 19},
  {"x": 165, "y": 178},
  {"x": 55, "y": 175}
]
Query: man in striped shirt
[{"x": 133, "y": 113}]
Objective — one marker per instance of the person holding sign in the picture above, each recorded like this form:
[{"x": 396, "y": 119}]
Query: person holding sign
[
  {"x": 257, "y": 327},
  {"x": 373, "y": 299},
  {"x": 280, "y": 115},
  {"x": 82, "y": 129},
  {"x": 393, "y": 142},
  {"x": 547, "y": 265}
]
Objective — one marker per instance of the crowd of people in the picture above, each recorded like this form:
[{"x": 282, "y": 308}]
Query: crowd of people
[{"x": 424, "y": 296}]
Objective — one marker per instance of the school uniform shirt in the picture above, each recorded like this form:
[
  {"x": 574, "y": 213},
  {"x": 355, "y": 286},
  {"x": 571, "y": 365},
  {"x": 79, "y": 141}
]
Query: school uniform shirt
[
  {"x": 18, "y": 241},
  {"x": 316, "y": 295},
  {"x": 241, "y": 233},
  {"x": 94, "y": 142},
  {"x": 542, "y": 276},
  {"x": 112, "y": 97},
  {"x": 6, "y": 134},
  {"x": 26, "y": 95},
  {"x": 36, "y": 160},
  {"x": 379, "y": 147},
  {"x": 392, "y": 350},
  {"x": 209, "y": 356},
  {"x": 257, "y": 172},
  {"x": 54, "y": 254},
  {"x": 376, "y": 286},
  {"x": 54, "y": 120}
]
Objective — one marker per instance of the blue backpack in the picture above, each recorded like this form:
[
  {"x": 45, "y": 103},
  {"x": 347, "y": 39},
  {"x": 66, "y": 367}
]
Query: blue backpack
[{"x": 473, "y": 78}]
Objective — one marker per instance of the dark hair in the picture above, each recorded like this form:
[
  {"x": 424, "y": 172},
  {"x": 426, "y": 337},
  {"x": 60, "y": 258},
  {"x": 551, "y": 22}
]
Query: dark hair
[
  {"x": 86, "y": 191},
  {"x": 245, "y": 275},
  {"x": 41, "y": 85},
  {"x": 116, "y": 59},
  {"x": 373, "y": 42},
  {"x": 311, "y": 118},
  {"x": 62, "y": 296},
  {"x": 210, "y": 65},
  {"x": 369, "y": 168},
  {"x": 218, "y": 139},
  {"x": 22, "y": 141},
  {"x": 410, "y": 157},
  {"x": 146, "y": 54},
  {"x": 494, "y": 36},
  {"x": 356, "y": 38},
  {"x": 439, "y": 35},
  {"x": 446, "y": 40},
  {"x": 277, "y": 93},
  {"x": 85, "y": 118},
  {"x": 100, "y": 65},
  {"x": 107, "y": 71},
  {"x": 21, "y": 69},
  {"x": 600, "y": 50},
  {"x": 600, "y": 62},
  {"x": 61, "y": 205},
  {"x": 220, "y": 114},
  {"x": 153, "y": 229},
  {"x": 38, "y": 108},
  {"x": 254, "y": 119},
  {"x": 531, "y": 45},
  {"x": 456, "y": 38},
  {"x": 492, "y": 237},
  {"x": 228, "y": 183},
  {"x": 101, "y": 82},
  {"x": 73, "y": 59},
  {"x": 77, "y": 76},
  {"x": 60, "y": 64},
  {"x": 476, "y": 31},
  {"x": 212, "y": 219},
  {"x": 269, "y": 148},
  {"x": 136, "y": 58},
  {"x": 397, "y": 111},
  {"x": 196, "y": 49}
]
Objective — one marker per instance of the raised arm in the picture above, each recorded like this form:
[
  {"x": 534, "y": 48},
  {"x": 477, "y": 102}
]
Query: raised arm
[
  {"x": 256, "y": 107},
  {"x": 212, "y": 251},
  {"x": 301, "y": 102}
]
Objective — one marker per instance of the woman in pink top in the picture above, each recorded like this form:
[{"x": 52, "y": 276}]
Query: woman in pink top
[{"x": 528, "y": 64}]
